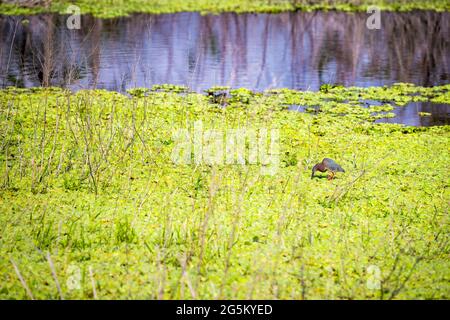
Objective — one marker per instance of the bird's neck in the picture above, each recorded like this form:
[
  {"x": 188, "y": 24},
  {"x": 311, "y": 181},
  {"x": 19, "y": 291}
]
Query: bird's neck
[{"x": 320, "y": 167}]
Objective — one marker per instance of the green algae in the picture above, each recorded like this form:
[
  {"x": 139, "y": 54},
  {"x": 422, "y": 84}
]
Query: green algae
[
  {"x": 117, "y": 8},
  {"x": 87, "y": 177}
]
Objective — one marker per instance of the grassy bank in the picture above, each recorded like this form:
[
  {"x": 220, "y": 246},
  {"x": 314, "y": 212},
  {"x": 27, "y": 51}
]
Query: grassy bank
[
  {"x": 114, "y": 8},
  {"x": 92, "y": 204}
]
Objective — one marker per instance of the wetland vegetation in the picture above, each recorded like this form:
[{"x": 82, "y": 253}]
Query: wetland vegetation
[
  {"x": 94, "y": 203},
  {"x": 88, "y": 184}
]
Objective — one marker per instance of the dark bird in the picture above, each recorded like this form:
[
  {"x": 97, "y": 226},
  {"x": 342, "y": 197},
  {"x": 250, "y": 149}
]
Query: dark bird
[{"x": 327, "y": 164}]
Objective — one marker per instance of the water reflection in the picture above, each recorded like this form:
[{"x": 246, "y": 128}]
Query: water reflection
[
  {"x": 296, "y": 50},
  {"x": 258, "y": 51},
  {"x": 439, "y": 114}
]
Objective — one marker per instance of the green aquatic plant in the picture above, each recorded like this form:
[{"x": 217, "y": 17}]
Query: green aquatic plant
[
  {"x": 241, "y": 95},
  {"x": 218, "y": 94},
  {"x": 169, "y": 88},
  {"x": 88, "y": 179},
  {"x": 117, "y": 8},
  {"x": 441, "y": 97},
  {"x": 138, "y": 92}
]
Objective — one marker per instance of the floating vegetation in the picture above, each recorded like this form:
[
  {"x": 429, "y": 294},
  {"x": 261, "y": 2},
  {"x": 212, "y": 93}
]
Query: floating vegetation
[
  {"x": 169, "y": 88},
  {"x": 89, "y": 177},
  {"x": 364, "y": 103},
  {"x": 117, "y": 8},
  {"x": 218, "y": 94}
]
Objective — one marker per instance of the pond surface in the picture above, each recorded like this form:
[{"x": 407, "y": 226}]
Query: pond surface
[
  {"x": 257, "y": 51},
  {"x": 437, "y": 114}
]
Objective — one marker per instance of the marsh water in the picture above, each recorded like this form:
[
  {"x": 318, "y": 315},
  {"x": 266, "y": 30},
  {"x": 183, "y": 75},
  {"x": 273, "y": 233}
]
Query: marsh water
[{"x": 258, "y": 51}]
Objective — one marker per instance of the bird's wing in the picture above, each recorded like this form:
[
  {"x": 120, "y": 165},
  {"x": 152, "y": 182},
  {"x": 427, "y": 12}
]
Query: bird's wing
[{"x": 331, "y": 164}]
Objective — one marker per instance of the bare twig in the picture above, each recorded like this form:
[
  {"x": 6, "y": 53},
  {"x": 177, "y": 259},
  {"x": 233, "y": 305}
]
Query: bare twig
[
  {"x": 22, "y": 280},
  {"x": 52, "y": 268},
  {"x": 91, "y": 274}
]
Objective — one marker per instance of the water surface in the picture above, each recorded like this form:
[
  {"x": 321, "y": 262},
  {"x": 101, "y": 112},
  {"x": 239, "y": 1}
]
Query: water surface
[{"x": 257, "y": 51}]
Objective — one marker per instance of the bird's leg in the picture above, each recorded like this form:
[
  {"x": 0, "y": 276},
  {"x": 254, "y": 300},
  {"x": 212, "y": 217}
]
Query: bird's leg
[{"x": 329, "y": 177}]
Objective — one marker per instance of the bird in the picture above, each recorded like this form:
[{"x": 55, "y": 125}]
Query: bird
[{"x": 327, "y": 164}]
